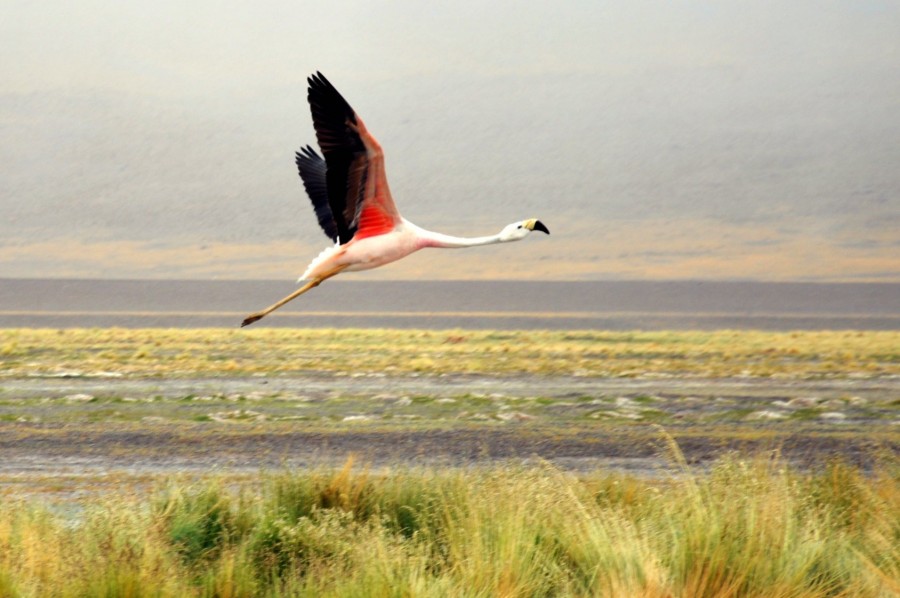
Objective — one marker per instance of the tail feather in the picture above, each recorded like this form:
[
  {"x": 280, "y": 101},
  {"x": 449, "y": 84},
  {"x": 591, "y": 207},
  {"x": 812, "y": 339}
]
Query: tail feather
[{"x": 316, "y": 265}]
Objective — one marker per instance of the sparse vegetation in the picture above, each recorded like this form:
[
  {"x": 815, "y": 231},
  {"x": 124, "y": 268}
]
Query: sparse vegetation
[
  {"x": 217, "y": 352},
  {"x": 747, "y": 528}
]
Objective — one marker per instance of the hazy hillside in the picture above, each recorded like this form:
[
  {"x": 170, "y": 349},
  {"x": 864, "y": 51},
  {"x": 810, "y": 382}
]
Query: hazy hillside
[
  {"x": 746, "y": 141},
  {"x": 463, "y": 154}
]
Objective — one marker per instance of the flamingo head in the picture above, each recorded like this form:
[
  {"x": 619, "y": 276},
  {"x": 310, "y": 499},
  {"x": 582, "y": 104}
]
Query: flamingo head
[{"x": 521, "y": 229}]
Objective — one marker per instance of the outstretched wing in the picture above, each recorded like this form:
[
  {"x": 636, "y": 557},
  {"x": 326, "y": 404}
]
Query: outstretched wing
[
  {"x": 312, "y": 170},
  {"x": 358, "y": 194}
]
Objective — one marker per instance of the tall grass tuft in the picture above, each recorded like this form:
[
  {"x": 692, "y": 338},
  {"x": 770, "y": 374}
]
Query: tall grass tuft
[{"x": 745, "y": 528}]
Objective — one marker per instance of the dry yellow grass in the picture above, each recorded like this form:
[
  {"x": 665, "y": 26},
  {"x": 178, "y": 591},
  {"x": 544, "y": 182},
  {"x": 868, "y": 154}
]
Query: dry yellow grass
[
  {"x": 748, "y": 528},
  {"x": 217, "y": 352}
]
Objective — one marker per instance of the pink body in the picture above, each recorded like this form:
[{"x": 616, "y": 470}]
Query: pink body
[
  {"x": 365, "y": 253},
  {"x": 371, "y": 252}
]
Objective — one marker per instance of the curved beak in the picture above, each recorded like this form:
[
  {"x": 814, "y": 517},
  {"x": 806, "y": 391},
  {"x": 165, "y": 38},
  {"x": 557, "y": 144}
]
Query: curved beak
[{"x": 535, "y": 224}]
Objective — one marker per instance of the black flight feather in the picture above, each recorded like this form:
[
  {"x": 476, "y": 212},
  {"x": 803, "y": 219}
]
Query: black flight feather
[
  {"x": 346, "y": 160},
  {"x": 312, "y": 170}
]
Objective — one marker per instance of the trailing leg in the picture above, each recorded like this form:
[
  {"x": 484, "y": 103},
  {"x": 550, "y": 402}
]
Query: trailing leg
[{"x": 310, "y": 285}]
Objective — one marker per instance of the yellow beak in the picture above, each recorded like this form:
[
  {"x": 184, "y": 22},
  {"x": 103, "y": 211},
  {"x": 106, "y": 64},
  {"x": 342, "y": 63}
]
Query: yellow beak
[{"x": 535, "y": 224}]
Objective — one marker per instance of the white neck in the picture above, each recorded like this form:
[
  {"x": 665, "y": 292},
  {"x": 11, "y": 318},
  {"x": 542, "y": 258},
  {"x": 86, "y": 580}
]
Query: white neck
[
  {"x": 432, "y": 239},
  {"x": 442, "y": 240}
]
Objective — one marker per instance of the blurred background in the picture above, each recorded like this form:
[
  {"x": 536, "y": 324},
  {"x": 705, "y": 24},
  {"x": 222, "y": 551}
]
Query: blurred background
[{"x": 656, "y": 139}]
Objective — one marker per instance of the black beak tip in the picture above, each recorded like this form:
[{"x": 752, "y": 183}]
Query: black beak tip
[{"x": 538, "y": 225}]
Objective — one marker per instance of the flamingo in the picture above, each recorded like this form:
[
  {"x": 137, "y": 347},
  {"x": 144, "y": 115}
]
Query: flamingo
[{"x": 352, "y": 202}]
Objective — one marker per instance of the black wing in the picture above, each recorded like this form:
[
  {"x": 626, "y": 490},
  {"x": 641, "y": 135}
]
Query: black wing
[
  {"x": 346, "y": 159},
  {"x": 312, "y": 170}
]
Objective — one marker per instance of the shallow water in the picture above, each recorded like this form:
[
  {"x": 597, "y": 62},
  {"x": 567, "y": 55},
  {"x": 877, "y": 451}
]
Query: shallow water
[
  {"x": 83, "y": 426},
  {"x": 606, "y": 305}
]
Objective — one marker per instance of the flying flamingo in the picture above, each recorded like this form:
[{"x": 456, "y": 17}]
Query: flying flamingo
[{"x": 352, "y": 202}]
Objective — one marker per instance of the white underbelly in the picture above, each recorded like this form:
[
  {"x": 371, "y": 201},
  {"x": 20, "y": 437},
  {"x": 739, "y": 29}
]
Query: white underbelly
[{"x": 372, "y": 252}]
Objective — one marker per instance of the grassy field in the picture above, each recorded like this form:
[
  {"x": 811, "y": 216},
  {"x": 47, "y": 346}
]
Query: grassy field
[
  {"x": 217, "y": 352},
  {"x": 747, "y": 528},
  {"x": 747, "y": 406}
]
